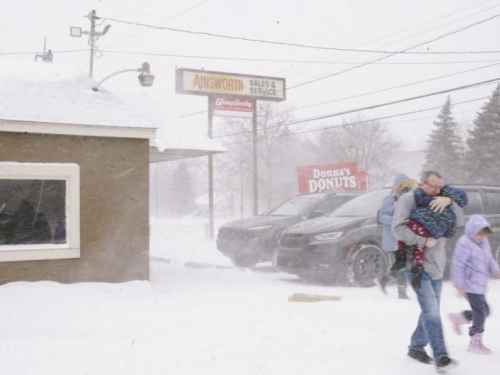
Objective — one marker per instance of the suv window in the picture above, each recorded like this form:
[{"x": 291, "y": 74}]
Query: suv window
[
  {"x": 474, "y": 205},
  {"x": 329, "y": 205},
  {"x": 493, "y": 197},
  {"x": 365, "y": 205},
  {"x": 294, "y": 206}
]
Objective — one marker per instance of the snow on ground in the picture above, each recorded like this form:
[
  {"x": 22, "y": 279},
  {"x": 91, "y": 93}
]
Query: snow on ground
[{"x": 200, "y": 315}]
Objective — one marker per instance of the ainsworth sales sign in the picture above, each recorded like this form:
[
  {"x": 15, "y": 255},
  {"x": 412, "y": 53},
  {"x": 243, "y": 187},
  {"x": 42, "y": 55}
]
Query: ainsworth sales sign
[
  {"x": 202, "y": 82},
  {"x": 339, "y": 177},
  {"x": 233, "y": 107}
]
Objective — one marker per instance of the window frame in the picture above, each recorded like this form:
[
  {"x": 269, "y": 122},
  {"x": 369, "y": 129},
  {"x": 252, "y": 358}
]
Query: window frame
[
  {"x": 482, "y": 206},
  {"x": 47, "y": 171},
  {"x": 489, "y": 206}
]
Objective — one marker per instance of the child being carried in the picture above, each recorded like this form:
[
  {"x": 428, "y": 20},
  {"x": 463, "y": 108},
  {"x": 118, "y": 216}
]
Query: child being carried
[{"x": 426, "y": 222}]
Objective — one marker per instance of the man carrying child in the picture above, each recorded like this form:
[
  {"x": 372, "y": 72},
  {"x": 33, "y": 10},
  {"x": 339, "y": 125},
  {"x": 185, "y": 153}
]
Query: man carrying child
[{"x": 429, "y": 328}]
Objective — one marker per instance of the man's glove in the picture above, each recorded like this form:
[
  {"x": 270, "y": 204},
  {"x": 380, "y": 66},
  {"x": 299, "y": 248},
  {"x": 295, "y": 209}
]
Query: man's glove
[{"x": 416, "y": 272}]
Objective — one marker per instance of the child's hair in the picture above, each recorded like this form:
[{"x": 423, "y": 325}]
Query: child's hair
[
  {"x": 405, "y": 186},
  {"x": 487, "y": 231}
]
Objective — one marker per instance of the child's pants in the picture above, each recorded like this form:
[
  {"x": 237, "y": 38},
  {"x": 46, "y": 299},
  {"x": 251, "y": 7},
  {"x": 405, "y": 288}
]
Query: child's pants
[
  {"x": 480, "y": 310},
  {"x": 418, "y": 252}
]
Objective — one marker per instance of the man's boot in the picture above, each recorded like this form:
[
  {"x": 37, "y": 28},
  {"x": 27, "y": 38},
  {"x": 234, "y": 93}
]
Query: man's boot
[
  {"x": 382, "y": 283},
  {"x": 457, "y": 320},
  {"x": 403, "y": 295},
  {"x": 420, "y": 355},
  {"x": 476, "y": 344}
]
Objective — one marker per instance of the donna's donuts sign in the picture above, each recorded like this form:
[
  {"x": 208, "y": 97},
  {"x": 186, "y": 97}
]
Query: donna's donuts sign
[{"x": 339, "y": 177}]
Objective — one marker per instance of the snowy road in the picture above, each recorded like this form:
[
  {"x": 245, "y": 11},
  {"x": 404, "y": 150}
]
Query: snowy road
[{"x": 218, "y": 320}]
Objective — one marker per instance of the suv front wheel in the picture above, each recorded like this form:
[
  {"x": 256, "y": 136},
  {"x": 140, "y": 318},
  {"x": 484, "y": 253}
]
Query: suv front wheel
[
  {"x": 367, "y": 263},
  {"x": 244, "y": 261}
]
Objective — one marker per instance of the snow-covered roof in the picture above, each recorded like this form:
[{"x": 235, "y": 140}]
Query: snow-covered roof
[
  {"x": 51, "y": 98},
  {"x": 47, "y": 97},
  {"x": 174, "y": 143}
]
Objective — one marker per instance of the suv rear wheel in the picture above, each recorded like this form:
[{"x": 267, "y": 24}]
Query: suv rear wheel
[{"x": 367, "y": 263}]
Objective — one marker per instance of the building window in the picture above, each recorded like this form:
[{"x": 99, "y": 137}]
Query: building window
[{"x": 39, "y": 211}]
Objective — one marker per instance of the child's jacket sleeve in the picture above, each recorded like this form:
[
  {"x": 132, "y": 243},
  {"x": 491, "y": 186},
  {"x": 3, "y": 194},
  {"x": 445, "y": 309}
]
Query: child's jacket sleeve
[
  {"x": 494, "y": 269},
  {"x": 458, "y": 264},
  {"x": 456, "y": 195}
]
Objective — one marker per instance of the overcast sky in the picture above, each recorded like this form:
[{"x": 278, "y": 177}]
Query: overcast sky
[{"x": 390, "y": 25}]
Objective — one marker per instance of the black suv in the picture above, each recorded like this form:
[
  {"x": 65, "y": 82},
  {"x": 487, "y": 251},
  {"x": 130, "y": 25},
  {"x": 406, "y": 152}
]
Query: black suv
[
  {"x": 255, "y": 239},
  {"x": 346, "y": 244}
]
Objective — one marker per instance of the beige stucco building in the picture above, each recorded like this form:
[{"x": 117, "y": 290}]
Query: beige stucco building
[{"x": 78, "y": 162}]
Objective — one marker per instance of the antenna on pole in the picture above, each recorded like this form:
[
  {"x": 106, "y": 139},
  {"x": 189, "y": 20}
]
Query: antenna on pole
[{"x": 46, "y": 56}]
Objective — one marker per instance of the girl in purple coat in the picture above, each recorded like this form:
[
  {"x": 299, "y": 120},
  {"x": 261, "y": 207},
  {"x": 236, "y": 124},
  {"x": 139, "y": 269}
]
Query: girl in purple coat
[{"x": 471, "y": 266}]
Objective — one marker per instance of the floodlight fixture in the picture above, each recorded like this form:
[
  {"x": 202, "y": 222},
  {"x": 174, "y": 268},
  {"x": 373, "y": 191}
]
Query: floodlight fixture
[
  {"x": 146, "y": 79},
  {"x": 75, "y": 31}
]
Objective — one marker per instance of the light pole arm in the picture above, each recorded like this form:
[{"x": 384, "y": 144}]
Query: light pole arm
[{"x": 96, "y": 87}]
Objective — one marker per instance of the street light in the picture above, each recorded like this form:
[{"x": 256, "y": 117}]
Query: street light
[{"x": 146, "y": 79}]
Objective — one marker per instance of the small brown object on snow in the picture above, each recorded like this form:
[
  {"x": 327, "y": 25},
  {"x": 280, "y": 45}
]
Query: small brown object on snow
[{"x": 300, "y": 297}]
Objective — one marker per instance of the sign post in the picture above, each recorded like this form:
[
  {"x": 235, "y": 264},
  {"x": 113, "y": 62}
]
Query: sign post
[
  {"x": 210, "y": 173},
  {"x": 231, "y": 94},
  {"x": 255, "y": 161}
]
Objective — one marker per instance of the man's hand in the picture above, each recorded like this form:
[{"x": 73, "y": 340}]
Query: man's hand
[
  {"x": 438, "y": 204},
  {"x": 462, "y": 293},
  {"x": 497, "y": 275},
  {"x": 431, "y": 242}
]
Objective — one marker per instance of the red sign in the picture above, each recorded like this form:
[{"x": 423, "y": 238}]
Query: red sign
[
  {"x": 233, "y": 107},
  {"x": 339, "y": 177}
]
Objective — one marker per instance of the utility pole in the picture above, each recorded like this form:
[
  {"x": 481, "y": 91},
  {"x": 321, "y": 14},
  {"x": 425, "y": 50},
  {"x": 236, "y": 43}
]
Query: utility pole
[
  {"x": 92, "y": 18},
  {"x": 93, "y": 36}
]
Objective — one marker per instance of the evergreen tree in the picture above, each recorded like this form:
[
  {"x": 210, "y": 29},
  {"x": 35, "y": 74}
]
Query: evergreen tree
[
  {"x": 181, "y": 194},
  {"x": 484, "y": 143},
  {"x": 444, "y": 152}
]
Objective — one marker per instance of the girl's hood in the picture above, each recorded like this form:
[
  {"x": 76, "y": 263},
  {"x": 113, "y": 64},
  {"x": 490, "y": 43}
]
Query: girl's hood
[{"x": 474, "y": 225}]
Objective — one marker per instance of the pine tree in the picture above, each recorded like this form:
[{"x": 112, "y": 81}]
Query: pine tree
[
  {"x": 444, "y": 152},
  {"x": 484, "y": 143}
]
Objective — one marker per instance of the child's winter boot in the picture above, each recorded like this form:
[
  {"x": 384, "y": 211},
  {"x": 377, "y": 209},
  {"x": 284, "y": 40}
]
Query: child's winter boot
[
  {"x": 456, "y": 321},
  {"x": 400, "y": 262},
  {"x": 476, "y": 344}
]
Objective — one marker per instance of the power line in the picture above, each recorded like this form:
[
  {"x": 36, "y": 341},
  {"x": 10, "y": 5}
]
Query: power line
[
  {"x": 372, "y": 92},
  {"x": 233, "y": 58},
  {"x": 395, "y": 53},
  {"x": 420, "y": 33},
  {"x": 465, "y": 87},
  {"x": 137, "y": 7},
  {"x": 162, "y": 22},
  {"x": 396, "y": 87},
  {"x": 250, "y": 59},
  {"x": 356, "y": 122},
  {"x": 78, "y": 19},
  {"x": 311, "y": 46},
  {"x": 33, "y": 53}
]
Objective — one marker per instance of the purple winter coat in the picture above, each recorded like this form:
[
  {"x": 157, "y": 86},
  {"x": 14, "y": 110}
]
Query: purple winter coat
[{"x": 472, "y": 263}]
